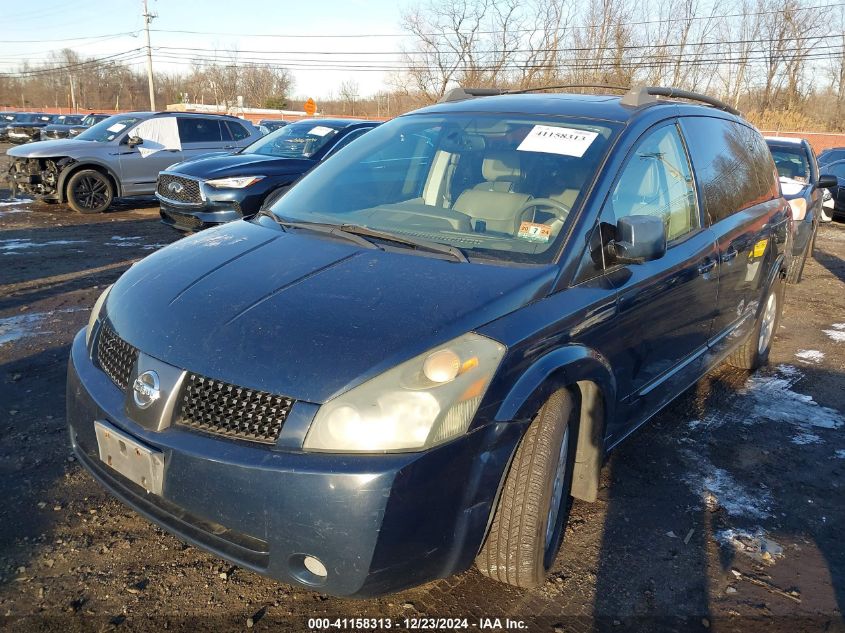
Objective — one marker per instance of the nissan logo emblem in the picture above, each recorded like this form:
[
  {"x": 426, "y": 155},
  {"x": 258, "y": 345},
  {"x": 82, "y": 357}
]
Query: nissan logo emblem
[
  {"x": 146, "y": 389},
  {"x": 175, "y": 187}
]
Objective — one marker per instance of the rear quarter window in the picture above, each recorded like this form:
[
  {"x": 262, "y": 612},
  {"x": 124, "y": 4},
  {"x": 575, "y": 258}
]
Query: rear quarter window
[
  {"x": 733, "y": 164},
  {"x": 238, "y": 131}
]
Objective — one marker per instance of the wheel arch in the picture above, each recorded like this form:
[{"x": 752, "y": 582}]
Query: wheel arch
[
  {"x": 587, "y": 375},
  {"x": 70, "y": 170}
]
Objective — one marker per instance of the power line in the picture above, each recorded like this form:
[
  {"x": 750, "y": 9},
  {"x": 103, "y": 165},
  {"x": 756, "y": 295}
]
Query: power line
[
  {"x": 55, "y": 69},
  {"x": 73, "y": 39},
  {"x": 493, "y": 32}
]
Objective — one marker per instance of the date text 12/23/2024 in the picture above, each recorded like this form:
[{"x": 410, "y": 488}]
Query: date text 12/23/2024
[{"x": 421, "y": 623}]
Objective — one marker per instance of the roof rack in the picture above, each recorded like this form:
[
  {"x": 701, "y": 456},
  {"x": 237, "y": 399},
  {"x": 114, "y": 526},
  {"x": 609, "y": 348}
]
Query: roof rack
[
  {"x": 643, "y": 95},
  {"x": 460, "y": 93},
  {"x": 636, "y": 96}
]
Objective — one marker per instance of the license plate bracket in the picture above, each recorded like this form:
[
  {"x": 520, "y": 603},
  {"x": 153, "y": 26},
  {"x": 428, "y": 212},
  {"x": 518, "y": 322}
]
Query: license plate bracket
[{"x": 138, "y": 463}]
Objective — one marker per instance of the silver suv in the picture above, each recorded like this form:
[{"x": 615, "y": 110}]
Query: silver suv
[{"x": 121, "y": 156}]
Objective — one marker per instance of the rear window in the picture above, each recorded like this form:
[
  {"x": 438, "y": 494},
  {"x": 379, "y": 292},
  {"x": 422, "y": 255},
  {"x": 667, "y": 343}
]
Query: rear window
[{"x": 733, "y": 164}]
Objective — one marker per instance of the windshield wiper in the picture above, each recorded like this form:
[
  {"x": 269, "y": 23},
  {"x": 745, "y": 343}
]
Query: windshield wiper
[
  {"x": 322, "y": 227},
  {"x": 423, "y": 245}
]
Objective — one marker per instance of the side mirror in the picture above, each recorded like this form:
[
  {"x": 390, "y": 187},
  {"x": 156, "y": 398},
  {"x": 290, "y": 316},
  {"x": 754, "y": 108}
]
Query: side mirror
[
  {"x": 639, "y": 238},
  {"x": 827, "y": 181},
  {"x": 135, "y": 140}
]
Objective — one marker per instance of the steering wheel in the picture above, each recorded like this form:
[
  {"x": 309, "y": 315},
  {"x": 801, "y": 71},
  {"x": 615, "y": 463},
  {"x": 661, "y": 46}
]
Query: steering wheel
[{"x": 560, "y": 209}]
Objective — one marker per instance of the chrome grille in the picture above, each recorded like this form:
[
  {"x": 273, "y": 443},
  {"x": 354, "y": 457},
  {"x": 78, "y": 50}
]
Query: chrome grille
[
  {"x": 115, "y": 356},
  {"x": 221, "y": 408},
  {"x": 178, "y": 189}
]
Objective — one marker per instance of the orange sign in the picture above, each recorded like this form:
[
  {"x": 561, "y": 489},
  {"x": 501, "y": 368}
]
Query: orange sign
[{"x": 310, "y": 107}]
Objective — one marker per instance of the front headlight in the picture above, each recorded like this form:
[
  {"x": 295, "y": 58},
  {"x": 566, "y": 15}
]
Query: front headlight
[
  {"x": 423, "y": 402},
  {"x": 95, "y": 313},
  {"x": 234, "y": 183},
  {"x": 799, "y": 208}
]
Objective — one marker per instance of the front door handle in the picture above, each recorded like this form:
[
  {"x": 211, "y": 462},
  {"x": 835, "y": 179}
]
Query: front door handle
[
  {"x": 729, "y": 254},
  {"x": 229, "y": 146},
  {"x": 706, "y": 267}
]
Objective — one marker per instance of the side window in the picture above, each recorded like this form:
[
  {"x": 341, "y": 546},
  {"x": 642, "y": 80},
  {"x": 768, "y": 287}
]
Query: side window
[
  {"x": 199, "y": 130},
  {"x": 729, "y": 163},
  {"x": 657, "y": 180},
  {"x": 225, "y": 133},
  {"x": 237, "y": 130}
]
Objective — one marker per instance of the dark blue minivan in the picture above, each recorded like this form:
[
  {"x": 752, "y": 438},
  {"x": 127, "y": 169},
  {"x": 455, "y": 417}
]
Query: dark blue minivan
[{"x": 418, "y": 356}]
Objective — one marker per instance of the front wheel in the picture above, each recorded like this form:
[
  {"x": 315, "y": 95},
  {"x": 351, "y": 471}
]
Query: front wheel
[
  {"x": 754, "y": 353},
  {"x": 530, "y": 519},
  {"x": 89, "y": 191}
]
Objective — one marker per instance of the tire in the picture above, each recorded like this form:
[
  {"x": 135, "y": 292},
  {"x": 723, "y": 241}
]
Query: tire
[
  {"x": 754, "y": 352},
  {"x": 528, "y": 525},
  {"x": 89, "y": 191}
]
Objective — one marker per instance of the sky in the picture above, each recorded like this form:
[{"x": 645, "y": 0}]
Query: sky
[{"x": 100, "y": 28}]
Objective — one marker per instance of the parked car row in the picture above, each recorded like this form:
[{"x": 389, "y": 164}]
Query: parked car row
[
  {"x": 428, "y": 345},
  {"x": 26, "y": 127}
]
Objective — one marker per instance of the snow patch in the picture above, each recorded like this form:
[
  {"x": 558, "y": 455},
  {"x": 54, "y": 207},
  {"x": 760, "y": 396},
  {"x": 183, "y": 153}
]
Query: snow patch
[
  {"x": 19, "y": 244},
  {"x": 806, "y": 438},
  {"x": 836, "y": 335},
  {"x": 840, "y": 453},
  {"x": 718, "y": 488},
  {"x": 810, "y": 356},
  {"x": 771, "y": 398},
  {"x": 756, "y": 545},
  {"x": 838, "y": 326},
  {"x": 14, "y": 201},
  {"x": 22, "y": 325}
]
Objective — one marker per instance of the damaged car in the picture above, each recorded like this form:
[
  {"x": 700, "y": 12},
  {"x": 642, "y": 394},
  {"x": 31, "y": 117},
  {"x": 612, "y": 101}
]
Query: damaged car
[
  {"x": 414, "y": 359},
  {"x": 119, "y": 157}
]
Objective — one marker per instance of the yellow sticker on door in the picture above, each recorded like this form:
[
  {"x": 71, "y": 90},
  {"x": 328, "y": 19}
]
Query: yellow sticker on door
[
  {"x": 534, "y": 232},
  {"x": 760, "y": 248}
]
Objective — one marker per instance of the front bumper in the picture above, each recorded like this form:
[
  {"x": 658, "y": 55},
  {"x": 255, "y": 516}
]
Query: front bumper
[
  {"x": 197, "y": 217},
  {"x": 379, "y": 523}
]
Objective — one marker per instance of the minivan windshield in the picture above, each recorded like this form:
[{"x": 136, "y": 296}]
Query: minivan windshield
[
  {"x": 108, "y": 130},
  {"x": 495, "y": 186},
  {"x": 302, "y": 139}
]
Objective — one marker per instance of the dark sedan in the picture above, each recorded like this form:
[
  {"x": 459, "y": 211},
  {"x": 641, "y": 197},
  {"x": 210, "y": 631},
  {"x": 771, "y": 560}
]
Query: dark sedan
[
  {"x": 71, "y": 126},
  {"x": 27, "y": 126},
  {"x": 837, "y": 169},
  {"x": 219, "y": 188},
  {"x": 60, "y": 125}
]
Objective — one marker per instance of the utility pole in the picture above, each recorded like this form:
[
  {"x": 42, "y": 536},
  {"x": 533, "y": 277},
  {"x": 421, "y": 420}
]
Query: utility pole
[{"x": 148, "y": 17}]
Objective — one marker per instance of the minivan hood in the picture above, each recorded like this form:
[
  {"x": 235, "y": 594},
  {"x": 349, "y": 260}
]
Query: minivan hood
[
  {"x": 51, "y": 149},
  {"x": 224, "y": 165},
  {"x": 300, "y": 315}
]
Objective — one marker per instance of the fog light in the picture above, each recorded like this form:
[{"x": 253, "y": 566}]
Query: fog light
[{"x": 315, "y": 566}]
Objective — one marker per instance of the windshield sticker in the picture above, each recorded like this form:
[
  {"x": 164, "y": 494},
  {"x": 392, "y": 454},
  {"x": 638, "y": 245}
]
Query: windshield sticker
[
  {"x": 557, "y": 140},
  {"x": 117, "y": 127},
  {"x": 320, "y": 130},
  {"x": 534, "y": 232}
]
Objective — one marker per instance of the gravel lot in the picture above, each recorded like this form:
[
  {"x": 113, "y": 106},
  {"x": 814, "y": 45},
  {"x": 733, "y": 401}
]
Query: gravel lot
[{"x": 725, "y": 513}]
